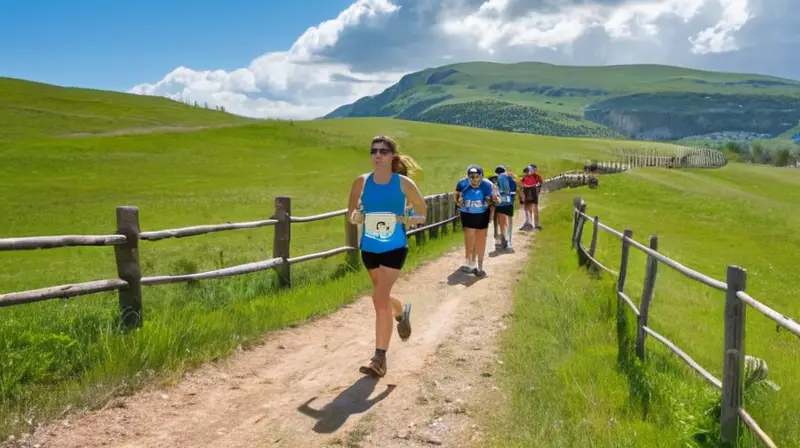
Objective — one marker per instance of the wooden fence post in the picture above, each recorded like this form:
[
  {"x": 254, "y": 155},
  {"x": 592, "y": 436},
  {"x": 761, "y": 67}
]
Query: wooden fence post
[
  {"x": 420, "y": 236},
  {"x": 429, "y": 216},
  {"x": 576, "y": 204},
  {"x": 581, "y": 223},
  {"x": 623, "y": 264},
  {"x": 128, "y": 269},
  {"x": 282, "y": 239},
  {"x": 351, "y": 239},
  {"x": 733, "y": 361},
  {"x": 445, "y": 207},
  {"x": 593, "y": 244},
  {"x": 651, "y": 270},
  {"x": 454, "y": 210},
  {"x": 437, "y": 215}
]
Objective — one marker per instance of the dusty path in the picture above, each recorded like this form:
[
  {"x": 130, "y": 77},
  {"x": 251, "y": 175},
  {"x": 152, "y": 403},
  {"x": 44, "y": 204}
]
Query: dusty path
[{"x": 302, "y": 387}]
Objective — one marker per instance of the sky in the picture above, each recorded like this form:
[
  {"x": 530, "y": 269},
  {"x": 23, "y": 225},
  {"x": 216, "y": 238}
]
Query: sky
[{"x": 303, "y": 58}]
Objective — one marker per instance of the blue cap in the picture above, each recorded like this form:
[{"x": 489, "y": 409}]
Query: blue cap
[
  {"x": 472, "y": 169},
  {"x": 500, "y": 169}
]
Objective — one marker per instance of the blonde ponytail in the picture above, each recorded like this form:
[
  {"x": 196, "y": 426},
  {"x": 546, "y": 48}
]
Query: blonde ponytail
[{"x": 401, "y": 163}]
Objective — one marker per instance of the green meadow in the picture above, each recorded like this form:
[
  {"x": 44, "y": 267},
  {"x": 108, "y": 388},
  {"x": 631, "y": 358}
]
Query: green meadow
[
  {"x": 73, "y": 155},
  {"x": 68, "y": 157},
  {"x": 573, "y": 381}
]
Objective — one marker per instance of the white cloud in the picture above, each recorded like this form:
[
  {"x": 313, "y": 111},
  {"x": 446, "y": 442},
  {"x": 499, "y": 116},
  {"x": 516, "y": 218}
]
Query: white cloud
[
  {"x": 372, "y": 43},
  {"x": 721, "y": 37},
  {"x": 291, "y": 84}
]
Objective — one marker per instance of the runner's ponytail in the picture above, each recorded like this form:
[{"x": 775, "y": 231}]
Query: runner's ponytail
[{"x": 401, "y": 163}]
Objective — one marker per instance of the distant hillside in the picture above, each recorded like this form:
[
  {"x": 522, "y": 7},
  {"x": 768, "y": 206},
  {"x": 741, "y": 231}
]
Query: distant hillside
[
  {"x": 31, "y": 109},
  {"x": 649, "y": 102}
]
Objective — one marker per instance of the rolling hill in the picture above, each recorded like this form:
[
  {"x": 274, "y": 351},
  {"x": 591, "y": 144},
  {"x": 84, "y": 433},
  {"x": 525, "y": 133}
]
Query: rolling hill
[
  {"x": 645, "y": 102},
  {"x": 32, "y": 109}
]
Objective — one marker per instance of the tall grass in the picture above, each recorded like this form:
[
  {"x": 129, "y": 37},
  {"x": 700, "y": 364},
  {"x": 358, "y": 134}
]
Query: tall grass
[{"x": 570, "y": 369}]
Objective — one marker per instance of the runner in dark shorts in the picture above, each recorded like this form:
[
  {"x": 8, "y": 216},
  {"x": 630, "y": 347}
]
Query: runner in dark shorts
[
  {"x": 531, "y": 186},
  {"x": 474, "y": 194},
  {"x": 504, "y": 210}
]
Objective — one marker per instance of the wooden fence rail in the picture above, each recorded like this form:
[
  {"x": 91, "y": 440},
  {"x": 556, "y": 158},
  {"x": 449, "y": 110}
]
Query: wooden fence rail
[
  {"x": 732, "y": 383},
  {"x": 441, "y": 211}
]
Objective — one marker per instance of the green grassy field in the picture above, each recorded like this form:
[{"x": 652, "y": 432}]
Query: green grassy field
[
  {"x": 30, "y": 110},
  {"x": 56, "y": 353},
  {"x": 562, "y": 354},
  {"x": 568, "y": 383}
]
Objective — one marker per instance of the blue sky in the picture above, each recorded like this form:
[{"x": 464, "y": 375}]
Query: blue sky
[
  {"x": 115, "y": 45},
  {"x": 303, "y": 58}
]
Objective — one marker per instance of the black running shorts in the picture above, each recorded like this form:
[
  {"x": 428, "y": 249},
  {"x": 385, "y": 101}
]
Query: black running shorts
[
  {"x": 393, "y": 259},
  {"x": 507, "y": 210},
  {"x": 477, "y": 221},
  {"x": 530, "y": 195}
]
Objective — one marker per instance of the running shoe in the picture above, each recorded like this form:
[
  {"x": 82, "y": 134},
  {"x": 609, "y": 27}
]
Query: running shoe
[
  {"x": 404, "y": 322},
  {"x": 376, "y": 367}
]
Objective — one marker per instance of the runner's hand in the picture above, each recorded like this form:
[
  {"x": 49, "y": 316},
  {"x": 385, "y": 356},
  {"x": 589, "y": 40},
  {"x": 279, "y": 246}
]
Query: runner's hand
[
  {"x": 411, "y": 220},
  {"x": 357, "y": 217}
]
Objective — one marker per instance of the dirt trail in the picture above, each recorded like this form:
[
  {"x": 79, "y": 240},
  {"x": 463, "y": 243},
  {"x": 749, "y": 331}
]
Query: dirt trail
[{"x": 302, "y": 388}]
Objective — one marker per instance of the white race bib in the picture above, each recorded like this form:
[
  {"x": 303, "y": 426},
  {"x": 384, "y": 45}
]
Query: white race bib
[{"x": 379, "y": 226}]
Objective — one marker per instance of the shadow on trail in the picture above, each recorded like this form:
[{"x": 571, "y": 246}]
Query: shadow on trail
[
  {"x": 498, "y": 252},
  {"x": 462, "y": 278},
  {"x": 353, "y": 400}
]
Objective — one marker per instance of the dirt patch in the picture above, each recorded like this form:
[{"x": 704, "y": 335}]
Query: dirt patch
[
  {"x": 301, "y": 388},
  {"x": 147, "y": 130}
]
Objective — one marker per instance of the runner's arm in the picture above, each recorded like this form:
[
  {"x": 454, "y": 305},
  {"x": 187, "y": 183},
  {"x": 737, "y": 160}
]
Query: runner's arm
[
  {"x": 459, "y": 197},
  {"x": 415, "y": 198},
  {"x": 354, "y": 215}
]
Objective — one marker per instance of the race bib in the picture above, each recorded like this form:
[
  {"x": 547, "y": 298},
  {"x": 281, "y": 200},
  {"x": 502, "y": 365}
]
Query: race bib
[
  {"x": 379, "y": 226},
  {"x": 505, "y": 199}
]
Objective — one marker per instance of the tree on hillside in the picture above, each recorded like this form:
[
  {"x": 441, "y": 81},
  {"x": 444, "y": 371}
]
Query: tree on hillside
[
  {"x": 782, "y": 157},
  {"x": 734, "y": 147}
]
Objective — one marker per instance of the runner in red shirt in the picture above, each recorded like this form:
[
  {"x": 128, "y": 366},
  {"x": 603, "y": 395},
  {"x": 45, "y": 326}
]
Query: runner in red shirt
[{"x": 531, "y": 185}]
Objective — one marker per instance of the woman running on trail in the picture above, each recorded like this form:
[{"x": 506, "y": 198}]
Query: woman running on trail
[
  {"x": 504, "y": 210},
  {"x": 474, "y": 194},
  {"x": 383, "y": 194},
  {"x": 531, "y": 184}
]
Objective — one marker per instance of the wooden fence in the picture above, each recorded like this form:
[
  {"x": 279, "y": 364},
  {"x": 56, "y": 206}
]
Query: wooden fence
[
  {"x": 732, "y": 383},
  {"x": 441, "y": 210},
  {"x": 682, "y": 157}
]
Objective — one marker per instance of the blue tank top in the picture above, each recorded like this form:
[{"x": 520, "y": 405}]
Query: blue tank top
[
  {"x": 474, "y": 198},
  {"x": 381, "y": 202},
  {"x": 508, "y": 189}
]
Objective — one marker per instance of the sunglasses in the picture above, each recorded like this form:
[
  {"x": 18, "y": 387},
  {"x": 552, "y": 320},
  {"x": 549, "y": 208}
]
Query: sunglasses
[{"x": 382, "y": 151}]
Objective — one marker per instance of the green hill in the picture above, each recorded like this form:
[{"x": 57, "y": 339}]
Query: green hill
[
  {"x": 31, "y": 109},
  {"x": 649, "y": 102}
]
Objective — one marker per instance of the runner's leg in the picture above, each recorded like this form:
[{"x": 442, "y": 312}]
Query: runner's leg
[
  {"x": 502, "y": 220},
  {"x": 469, "y": 246},
  {"x": 385, "y": 279},
  {"x": 397, "y": 304},
  {"x": 480, "y": 249}
]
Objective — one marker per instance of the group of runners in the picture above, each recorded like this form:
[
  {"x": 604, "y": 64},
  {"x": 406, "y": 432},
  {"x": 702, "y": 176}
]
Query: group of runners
[
  {"x": 482, "y": 200},
  {"x": 386, "y": 202}
]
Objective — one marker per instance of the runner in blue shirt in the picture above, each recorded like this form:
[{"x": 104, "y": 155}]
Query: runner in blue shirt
[
  {"x": 474, "y": 195},
  {"x": 384, "y": 194},
  {"x": 504, "y": 210}
]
